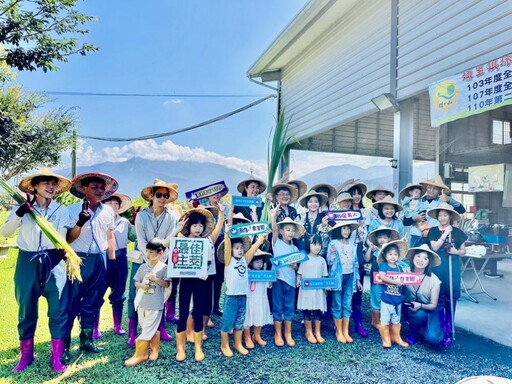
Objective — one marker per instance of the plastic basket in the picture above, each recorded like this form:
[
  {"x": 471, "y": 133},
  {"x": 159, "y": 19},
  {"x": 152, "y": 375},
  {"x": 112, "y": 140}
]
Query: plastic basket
[{"x": 496, "y": 239}]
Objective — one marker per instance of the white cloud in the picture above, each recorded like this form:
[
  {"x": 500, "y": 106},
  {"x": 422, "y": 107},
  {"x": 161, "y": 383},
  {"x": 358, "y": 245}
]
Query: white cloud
[
  {"x": 172, "y": 102},
  {"x": 166, "y": 151}
]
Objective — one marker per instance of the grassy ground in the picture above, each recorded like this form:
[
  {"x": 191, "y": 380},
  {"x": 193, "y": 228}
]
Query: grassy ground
[{"x": 364, "y": 361}]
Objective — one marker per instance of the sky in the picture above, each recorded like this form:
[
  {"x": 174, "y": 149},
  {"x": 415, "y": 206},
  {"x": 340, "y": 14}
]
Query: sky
[{"x": 184, "y": 47}]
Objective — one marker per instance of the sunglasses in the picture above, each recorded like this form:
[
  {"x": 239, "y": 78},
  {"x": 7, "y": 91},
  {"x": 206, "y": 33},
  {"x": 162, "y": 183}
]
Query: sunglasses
[{"x": 159, "y": 195}]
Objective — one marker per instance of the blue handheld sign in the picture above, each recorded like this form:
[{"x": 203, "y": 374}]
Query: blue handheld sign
[
  {"x": 244, "y": 201},
  {"x": 206, "y": 191},
  {"x": 318, "y": 283},
  {"x": 249, "y": 229},
  {"x": 262, "y": 276},
  {"x": 290, "y": 258}
]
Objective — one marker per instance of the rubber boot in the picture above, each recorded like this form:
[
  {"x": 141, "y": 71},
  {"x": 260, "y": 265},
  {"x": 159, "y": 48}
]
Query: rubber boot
[
  {"x": 309, "y": 332},
  {"x": 395, "y": 335},
  {"x": 96, "y": 334},
  {"x": 248, "y": 341},
  {"x": 376, "y": 320},
  {"x": 412, "y": 337},
  {"x": 154, "y": 346},
  {"x": 87, "y": 343},
  {"x": 288, "y": 334},
  {"x": 117, "y": 316},
  {"x": 198, "y": 346},
  {"x": 132, "y": 332},
  {"x": 170, "y": 312},
  {"x": 164, "y": 336},
  {"x": 447, "y": 316},
  {"x": 141, "y": 353},
  {"x": 278, "y": 336},
  {"x": 224, "y": 345},
  {"x": 358, "y": 324},
  {"x": 256, "y": 337},
  {"x": 56, "y": 354},
  {"x": 66, "y": 355},
  {"x": 385, "y": 336},
  {"x": 190, "y": 330},
  {"x": 181, "y": 338},
  {"x": 237, "y": 345},
  {"x": 345, "y": 322},
  {"x": 27, "y": 355},
  {"x": 339, "y": 331},
  {"x": 318, "y": 332}
]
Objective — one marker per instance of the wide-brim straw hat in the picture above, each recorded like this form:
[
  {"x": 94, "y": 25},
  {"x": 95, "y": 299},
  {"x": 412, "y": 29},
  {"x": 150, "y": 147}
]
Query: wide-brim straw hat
[
  {"x": 402, "y": 250},
  {"x": 322, "y": 198},
  {"x": 378, "y": 188},
  {"x": 293, "y": 191},
  {"x": 372, "y": 237},
  {"x": 405, "y": 191},
  {"x": 332, "y": 191},
  {"x": 266, "y": 256},
  {"x": 241, "y": 185},
  {"x": 343, "y": 196},
  {"x": 299, "y": 227},
  {"x": 444, "y": 207},
  {"x": 111, "y": 184},
  {"x": 389, "y": 200},
  {"x": 25, "y": 184},
  {"x": 210, "y": 221},
  {"x": 239, "y": 218},
  {"x": 126, "y": 202},
  {"x": 246, "y": 244},
  {"x": 353, "y": 225},
  {"x": 436, "y": 181},
  {"x": 362, "y": 187},
  {"x": 212, "y": 209},
  {"x": 435, "y": 260},
  {"x": 303, "y": 188},
  {"x": 147, "y": 192}
]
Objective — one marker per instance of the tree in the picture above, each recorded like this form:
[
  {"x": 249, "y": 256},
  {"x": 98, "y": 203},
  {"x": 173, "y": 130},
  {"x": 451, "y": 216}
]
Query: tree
[
  {"x": 29, "y": 140},
  {"x": 37, "y": 33}
]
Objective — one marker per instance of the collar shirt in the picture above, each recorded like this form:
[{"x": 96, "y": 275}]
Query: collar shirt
[{"x": 93, "y": 236}]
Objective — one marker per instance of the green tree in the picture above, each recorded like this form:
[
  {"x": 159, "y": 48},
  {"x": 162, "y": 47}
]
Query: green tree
[
  {"x": 37, "y": 33},
  {"x": 66, "y": 198}
]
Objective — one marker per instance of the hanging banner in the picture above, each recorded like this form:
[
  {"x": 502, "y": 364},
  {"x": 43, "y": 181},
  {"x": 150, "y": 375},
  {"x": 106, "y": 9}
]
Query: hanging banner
[
  {"x": 249, "y": 229},
  {"x": 244, "y": 201},
  {"x": 268, "y": 276},
  {"x": 207, "y": 191},
  {"x": 290, "y": 258},
  {"x": 344, "y": 215},
  {"x": 188, "y": 257},
  {"x": 407, "y": 278},
  {"x": 318, "y": 283},
  {"x": 476, "y": 90}
]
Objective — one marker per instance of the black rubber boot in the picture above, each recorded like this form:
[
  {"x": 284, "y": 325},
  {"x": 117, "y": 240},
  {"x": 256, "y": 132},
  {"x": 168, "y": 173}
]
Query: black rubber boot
[{"x": 87, "y": 343}]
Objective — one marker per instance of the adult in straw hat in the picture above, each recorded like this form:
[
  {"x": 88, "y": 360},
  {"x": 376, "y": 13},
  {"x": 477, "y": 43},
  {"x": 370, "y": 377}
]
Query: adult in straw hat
[
  {"x": 387, "y": 210},
  {"x": 313, "y": 219},
  {"x": 37, "y": 259},
  {"x": 91, "y": 236},
  {"x": 117, "y": 269},
  {"x": 283, "y": 195},
  {"x": 155, "y": 221},
  {"x": 436, "y": 192},
  {"x": 392, "y": 292},
  {"x": 422, "y": 313},
  {"x": 375, "y": 195},
  {"x": 251, "y": 187},
  {"x": 329, "y": 191},
  {"x": 448, "y": 241}
]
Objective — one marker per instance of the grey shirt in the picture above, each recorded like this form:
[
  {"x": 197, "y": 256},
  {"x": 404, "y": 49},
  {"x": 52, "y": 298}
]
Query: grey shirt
[{"x": 153, "y": 298}]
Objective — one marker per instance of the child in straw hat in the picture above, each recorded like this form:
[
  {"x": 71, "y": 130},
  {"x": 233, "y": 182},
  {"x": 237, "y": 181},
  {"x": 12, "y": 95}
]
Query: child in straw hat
[
  {"x": 387, "y": 210},
  {"x": 39, "y": 267}
]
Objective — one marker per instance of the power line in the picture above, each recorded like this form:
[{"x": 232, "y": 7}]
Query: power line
[
  {"x": 197, "y": 96},
  {"x": 164, "y": 134}
]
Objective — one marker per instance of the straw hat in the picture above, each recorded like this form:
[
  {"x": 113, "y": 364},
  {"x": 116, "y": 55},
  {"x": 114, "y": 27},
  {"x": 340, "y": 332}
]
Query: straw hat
[
  {"x": 362, "y": 187},
  {"x": 299, "y": 227},
  {"x": 239, "y": 218},
  {"x": 260, "y": 254},
  {"x": 443, "y": 207},
  {"x": 322, "y": 199},
  {"x": 434, "y": 258},
  {"x": 126, "y": 202},
  {"x": 405, "y": 191},
  {"x": 343, "y": 196},
  {"x": 246, "y": 244},
  {"x": 378, "y": 188},
  {"x": 388, "y": 200},
  {"x": 111, "y": 184},
  {"x": 25, "y": 184},
  {"x": 372, "y": 237},
  {"x": 241, "y": 185},
  {"x": 353, "y": 225},
  {"x": 210, "y": 221},
  {"x": 147, "y": 192},
  {"x": 293, "y": 191},
  {"x": 436, "y": 181},
  {"x": 212, "y": 209},
  {"x": 402, "y": 250},
  {"x": 302, "y": 187},
  {"x": 332, "y": 191}
]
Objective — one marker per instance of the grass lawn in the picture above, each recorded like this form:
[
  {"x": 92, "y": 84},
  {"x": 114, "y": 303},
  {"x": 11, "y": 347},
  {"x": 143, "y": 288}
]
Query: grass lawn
[{"x": 364, "y": 361}]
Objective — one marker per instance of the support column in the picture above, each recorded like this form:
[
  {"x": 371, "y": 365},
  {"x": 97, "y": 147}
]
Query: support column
[{"x": 403, "y": 138}]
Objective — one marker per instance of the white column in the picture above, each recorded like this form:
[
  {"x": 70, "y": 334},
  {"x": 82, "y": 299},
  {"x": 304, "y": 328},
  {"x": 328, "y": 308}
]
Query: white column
[{"x": 403, "y": 136}]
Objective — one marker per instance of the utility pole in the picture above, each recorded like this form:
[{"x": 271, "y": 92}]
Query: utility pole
[{"x": 73, "y": 156}]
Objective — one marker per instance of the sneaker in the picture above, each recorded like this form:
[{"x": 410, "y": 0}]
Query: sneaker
[{"x": 493, "y": 275}]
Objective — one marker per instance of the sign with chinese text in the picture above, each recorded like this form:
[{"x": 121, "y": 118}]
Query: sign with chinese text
[
  {"x": 318, "y": 283},
  {"x": 290, "y": 258},
  {"x": 263, "y": 276},
  {"x": 245, "y": 201},
  {"x": 476, "y": 90},
  {"x": 344, "y": 215},
  {"x": 249, "y": 229},
  {"x": 207, "y": 191},
  {"x": 407, "y": 278},
  {"x": 188, "y": 257}
]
